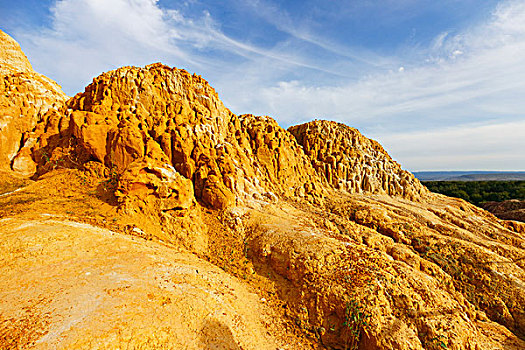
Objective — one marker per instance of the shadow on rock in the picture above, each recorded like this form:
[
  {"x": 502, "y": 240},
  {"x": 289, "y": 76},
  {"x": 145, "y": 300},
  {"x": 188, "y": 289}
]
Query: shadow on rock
[{"x": 217, "y": 336}]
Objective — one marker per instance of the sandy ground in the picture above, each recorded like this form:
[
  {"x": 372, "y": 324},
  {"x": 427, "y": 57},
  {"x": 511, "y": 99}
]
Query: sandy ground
[{"x": 71, "y": 285}]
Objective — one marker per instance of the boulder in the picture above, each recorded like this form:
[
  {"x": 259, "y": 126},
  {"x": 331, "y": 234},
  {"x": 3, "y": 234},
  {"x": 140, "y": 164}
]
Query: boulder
[{"x": 147, "y": 183}]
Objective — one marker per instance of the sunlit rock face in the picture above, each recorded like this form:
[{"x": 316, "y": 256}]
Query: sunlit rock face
[
  {"x": 157, "y": 218},
  {"x": 168, "y": 116},
  {"x": 353, "y": 163},
  {"x": 26, "y": 99}
]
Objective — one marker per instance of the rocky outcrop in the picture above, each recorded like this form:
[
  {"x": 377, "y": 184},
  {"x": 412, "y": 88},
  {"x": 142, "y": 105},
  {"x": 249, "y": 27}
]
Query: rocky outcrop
[
  {"x": 345, "y": 248},
  {"x": 280, "y": 159},
  {"x": 26, "y": 99},
  {"x": 513, "y": 209},
  {"x": 176, "y": 118},
  {"x": 154, "y": 185},
  {"x": 353, "y": 163},
  {"x": 169, "y": 116},
  {"x": 419, "y": 275}
]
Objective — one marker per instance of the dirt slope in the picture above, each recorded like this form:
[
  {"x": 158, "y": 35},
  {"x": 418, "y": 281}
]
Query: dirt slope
[
  {"x": 105, "y": 290},
  {"x": 513, "y": 209}
]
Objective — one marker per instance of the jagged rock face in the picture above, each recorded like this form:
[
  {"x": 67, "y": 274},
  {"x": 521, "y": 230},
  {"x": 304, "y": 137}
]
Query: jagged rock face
[
  {"x": 175, "y": 118},
  {"x": 26, "y": 98},
  {"x": 279, "y": 158},
  {"x": 123, "y": 109},
  {"x": 353, "y": 163}
]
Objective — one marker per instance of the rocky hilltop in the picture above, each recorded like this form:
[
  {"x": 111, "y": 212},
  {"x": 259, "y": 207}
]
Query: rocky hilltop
[
  {"x": 162, "y": 115},
  {"x": 142, "y": 213},
  {"x": 353, "y": 163}
]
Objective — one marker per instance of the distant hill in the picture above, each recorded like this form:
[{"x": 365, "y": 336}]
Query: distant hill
[
  {"x": 470, "y": 175},
  {"x": 513, "y": 209}
]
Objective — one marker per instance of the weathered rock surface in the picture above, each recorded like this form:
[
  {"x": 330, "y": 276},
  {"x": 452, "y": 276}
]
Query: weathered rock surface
[
  {"x": 344, "y": 249},
  {"x": 176, "y": 118},
  {"x": 513, "y": 209},
  {"x": 111, "y": 291},
  {"x": 155, "y": 185},
  {"x": 423, "y": 273},
  {"x": 353, "y": 163},
  {"x": 26, "y": 99}
]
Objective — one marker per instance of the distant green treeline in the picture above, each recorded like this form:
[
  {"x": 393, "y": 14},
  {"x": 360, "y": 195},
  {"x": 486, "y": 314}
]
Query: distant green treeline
[{"x": 477, "y": 192}]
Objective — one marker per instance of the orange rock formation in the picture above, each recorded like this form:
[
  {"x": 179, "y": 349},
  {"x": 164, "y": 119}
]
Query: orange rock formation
[
  {"x": 353, "y": 163},
  {"x": 157, "y": 218},
  {"x": 26, "y": 99}
]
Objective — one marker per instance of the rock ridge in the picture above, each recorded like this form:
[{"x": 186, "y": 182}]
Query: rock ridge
[
  {"x": 166, "y": 116},
  {"x": 148, "y": 184},
  {"x": 26, "y": 100},
  {"x": 12, "y": 58}
]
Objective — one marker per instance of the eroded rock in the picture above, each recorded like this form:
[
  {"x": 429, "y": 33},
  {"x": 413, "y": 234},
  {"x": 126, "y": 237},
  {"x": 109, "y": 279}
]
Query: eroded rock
[
  {"x": 353, "y": 163},
  {"x": 26, "y": 99},
  {"x": 156, "y": 185}
]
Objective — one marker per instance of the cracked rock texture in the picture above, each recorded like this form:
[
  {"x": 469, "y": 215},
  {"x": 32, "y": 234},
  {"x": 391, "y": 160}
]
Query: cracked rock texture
[
  {"x": 353, "y": 163},
  {"x": 142, "y": 213}
]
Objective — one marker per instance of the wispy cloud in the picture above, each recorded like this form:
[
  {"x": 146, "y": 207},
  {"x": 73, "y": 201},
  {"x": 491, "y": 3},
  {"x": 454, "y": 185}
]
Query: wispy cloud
[
  {"x": 475, "y": 76},
  {"x": 459, "y": 73},
  {"x": 91, "y": 36},
  {"x": 303, "y": 32},
  {"x": 459, "y": 80}
]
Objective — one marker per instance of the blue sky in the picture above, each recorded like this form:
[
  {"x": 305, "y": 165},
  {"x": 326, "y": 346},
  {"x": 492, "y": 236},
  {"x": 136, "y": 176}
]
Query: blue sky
[{"x": 440, "y": 84}]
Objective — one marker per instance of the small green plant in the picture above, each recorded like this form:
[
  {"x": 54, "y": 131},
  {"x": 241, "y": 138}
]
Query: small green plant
[
  {"x": 355, "y": 319},
  {"x": 53, "y": 161},
  {"x": 437, "y": 343}
]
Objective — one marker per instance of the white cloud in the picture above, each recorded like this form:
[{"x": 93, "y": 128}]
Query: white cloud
[
  {"x": 468, "y": 147},
  {"x": 88, "y": 37},
  {"x": 473, "y": 77},
  {"x": 486, "y": 68},
  {"x": 509, "y": 18}
]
